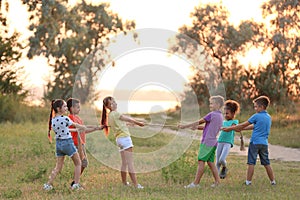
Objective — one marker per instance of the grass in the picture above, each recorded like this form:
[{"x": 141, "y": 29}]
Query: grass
[{"x": 27, "y": 159}]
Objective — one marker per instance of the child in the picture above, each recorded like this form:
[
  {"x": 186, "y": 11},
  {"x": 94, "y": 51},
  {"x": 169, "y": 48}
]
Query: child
[
  {"x": 260, "y": 122},
  {"x": 64, "y": 142},
  {"x": 226, "y": 139},
  {"x": 213, "y": 122},
  {"x": 79, "y": 139},
  {"x": 117, "y": 124}
]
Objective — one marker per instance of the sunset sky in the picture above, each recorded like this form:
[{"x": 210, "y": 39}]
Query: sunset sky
[{"x": 166, "y": 14}]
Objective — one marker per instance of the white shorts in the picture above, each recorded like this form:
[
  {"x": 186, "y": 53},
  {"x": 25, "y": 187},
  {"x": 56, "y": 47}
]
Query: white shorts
[{"x": 124, "y": 143}]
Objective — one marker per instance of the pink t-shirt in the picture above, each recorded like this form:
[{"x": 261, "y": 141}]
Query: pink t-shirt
[{"x": 214, "y": 121}]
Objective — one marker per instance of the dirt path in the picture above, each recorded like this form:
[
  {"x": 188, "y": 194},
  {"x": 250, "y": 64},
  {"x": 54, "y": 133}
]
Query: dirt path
[{"x": 276, "y": 152}]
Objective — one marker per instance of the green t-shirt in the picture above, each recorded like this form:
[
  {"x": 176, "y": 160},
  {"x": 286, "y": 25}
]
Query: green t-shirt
[
  {"x": 228, "y": 137},
  {"x": 117, "y": 126}
]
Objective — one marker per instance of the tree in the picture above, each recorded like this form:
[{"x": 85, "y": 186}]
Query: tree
[
  {"x": 9, "y": 55},
  {"x": 69, "y": 35},
  {"x": 12, "y": 91},
  {"x": 222, "y": 42},
  {"x": 281, "y": 78}
]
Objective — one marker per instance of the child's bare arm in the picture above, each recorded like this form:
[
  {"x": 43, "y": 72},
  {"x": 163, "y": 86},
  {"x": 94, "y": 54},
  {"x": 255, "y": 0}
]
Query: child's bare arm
[
  {"x": 80, "y": 127},
  {"x": 250, "y": 127},
  {"x": 89, "y": 128},
  {"x": 131, "y": 120},
  {"x": 237, "y": 128},
  {"x": 193, "y": 125},
  {"x": 198, "y": 128}
]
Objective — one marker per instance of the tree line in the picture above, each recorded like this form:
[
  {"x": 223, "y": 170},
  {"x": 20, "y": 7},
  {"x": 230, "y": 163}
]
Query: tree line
[
  {"x": 71, "y": 36},
  {"x": 280, "y": 33}
]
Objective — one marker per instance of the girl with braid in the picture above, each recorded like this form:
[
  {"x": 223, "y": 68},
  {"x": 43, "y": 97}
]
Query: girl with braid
[
  {"x": 64, "y": 143},
  {"x": 117, "y": 124}
]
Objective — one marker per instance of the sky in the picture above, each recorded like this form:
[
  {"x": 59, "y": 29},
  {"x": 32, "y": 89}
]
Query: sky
[{"x": 159, "y": 14}]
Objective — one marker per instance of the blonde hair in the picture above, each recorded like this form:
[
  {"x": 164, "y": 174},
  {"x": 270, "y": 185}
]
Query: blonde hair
[{"x": 218, "y": 99}]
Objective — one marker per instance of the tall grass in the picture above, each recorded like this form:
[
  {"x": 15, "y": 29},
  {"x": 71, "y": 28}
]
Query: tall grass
[{"x": 27, "y": 158}]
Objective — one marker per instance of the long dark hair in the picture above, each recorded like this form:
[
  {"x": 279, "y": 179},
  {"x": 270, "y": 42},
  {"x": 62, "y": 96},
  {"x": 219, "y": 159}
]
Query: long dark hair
[
  {"x": 55, "y": 104},
  {"x": 104, "y": 120}
]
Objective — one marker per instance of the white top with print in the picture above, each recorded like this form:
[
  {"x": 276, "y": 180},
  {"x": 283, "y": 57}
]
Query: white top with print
[{"x": 60, "y": 126}]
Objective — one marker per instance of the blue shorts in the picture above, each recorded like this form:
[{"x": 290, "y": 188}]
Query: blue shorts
[
  {"x": 261, "y": 150},
  {"x": 65, "y": 147}
]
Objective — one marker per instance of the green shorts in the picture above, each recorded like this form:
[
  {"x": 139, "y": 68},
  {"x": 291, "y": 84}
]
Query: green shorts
[{"x": 206, "y": 153}]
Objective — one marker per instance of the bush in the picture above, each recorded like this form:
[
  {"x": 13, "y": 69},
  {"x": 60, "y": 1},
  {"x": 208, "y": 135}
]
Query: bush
[
  {"x": 183, "y": 170},
  {"x": 14, "y": 111}
]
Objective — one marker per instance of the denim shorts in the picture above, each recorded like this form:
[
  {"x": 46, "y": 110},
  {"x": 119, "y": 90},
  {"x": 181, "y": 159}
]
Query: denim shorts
[
  {"x": 261, "y": 150},
  {"x": 65, "y": 147},
  {"x": 124, "y": 143}
]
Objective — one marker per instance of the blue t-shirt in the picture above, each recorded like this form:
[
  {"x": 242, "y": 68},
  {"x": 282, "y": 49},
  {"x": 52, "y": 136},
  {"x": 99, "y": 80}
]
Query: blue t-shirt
[
  {"x": 228, "y": 137},
  {"x": 262, "y": 124}
]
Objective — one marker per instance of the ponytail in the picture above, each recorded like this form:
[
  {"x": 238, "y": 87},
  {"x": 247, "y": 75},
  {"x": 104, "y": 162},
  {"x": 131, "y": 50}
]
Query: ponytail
[
  {"x": 50, "y": 121},
  {"x": 57, "y": 103},
  {"x": 104, "y": 120}
]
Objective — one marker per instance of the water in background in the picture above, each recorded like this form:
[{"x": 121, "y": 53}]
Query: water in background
[{"x": 142, "y": 107}]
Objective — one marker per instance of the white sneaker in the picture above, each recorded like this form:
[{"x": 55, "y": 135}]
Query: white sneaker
[
  {"x": 192, "y": 185},
  {"x": 273, "y": 182},
  {"x": 47, "y": 187},
  {"x": 76, "y": 186},
  {"x": 139, "y": 186}
]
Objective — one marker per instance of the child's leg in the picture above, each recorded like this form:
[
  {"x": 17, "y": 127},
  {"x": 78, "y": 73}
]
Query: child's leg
[
  {"x": 214, "y": 171},
  {"x": 200, "y": 171},
  {"x": 77, "y": 164},
  {"x": 57, "y": 169},
  {"x": 218, "y": 155},
  {"x": 84, "y": 160},
  {"x": 123, "y": 167},
  {"x": 129, "y": 159},
  {"x": 250, "y": 172},
  {"x": 270, "y": 172},
  {"x": 252, "y": 156},
  {"x": 224, "y": 154}
]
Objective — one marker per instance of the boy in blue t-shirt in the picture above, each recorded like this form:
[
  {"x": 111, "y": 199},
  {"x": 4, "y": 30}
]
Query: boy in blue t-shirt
[{"x": 260, "y": 122}]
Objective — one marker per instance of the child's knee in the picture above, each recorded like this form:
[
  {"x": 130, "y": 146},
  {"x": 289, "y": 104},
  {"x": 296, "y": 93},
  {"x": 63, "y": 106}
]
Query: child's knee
[{"x": 84, "y": 163}]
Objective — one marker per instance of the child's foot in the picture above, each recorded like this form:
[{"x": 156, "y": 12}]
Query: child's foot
[
  {"x": 215, "y": 185},
  {"x": 72, "y": 183},
  {"x": 47, "y": 187},
  {"x": 273, "y": 182},
  {"x": 223, "y": 172},
  {"x": 126, "y": 184},
  {"x": 192, "y": 185},
  {"x": 76, "y": 186},
  {"x": 139, "y": 186},
  {"x": 248, "y": 183}
]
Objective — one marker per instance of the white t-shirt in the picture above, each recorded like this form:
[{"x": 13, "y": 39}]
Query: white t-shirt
[{"x": 60, "y": 125}]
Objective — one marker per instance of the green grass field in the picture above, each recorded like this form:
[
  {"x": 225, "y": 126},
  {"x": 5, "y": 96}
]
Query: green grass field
[{"x": 27, "y": 158}]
